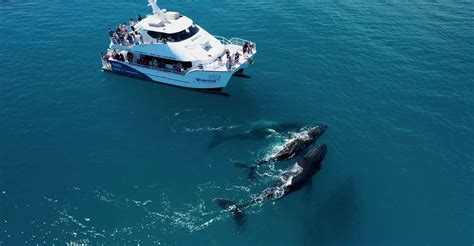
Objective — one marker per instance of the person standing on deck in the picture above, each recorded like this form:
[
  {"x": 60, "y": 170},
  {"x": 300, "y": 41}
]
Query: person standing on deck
[{"x": 132, "y": 25}]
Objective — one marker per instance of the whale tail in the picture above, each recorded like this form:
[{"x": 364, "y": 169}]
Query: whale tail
[
  {"x": 251, "y": 170},
  {"x": 237, "y": 211}
]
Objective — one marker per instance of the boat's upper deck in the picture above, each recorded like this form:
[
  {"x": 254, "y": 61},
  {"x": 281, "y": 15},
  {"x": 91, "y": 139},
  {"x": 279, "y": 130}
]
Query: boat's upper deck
[
  {"x": 170, "y": 36},
  {"x": 174, "y": 23}
]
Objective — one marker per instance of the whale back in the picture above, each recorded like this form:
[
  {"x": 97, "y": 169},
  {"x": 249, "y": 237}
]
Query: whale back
[{"x": 311, "y": 164}]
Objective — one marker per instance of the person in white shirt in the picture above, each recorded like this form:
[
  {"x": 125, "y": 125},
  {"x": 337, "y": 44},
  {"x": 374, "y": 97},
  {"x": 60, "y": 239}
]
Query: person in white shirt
[
  {"x": 138, "y": 37},
  {"x": 132, "y": 24}
]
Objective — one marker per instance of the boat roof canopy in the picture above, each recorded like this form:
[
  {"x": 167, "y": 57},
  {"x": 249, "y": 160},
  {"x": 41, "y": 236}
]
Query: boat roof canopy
[{"x": 155, "y": 23}]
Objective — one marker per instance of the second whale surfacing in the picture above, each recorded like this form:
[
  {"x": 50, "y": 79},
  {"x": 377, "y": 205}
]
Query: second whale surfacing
[
  {"x": 292, "y": 179},
  {"x": 295, "y": 146}
]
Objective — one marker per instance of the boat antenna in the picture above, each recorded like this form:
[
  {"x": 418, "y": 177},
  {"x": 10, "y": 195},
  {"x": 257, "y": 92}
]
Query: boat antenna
[{"x": 157, "y": 10}]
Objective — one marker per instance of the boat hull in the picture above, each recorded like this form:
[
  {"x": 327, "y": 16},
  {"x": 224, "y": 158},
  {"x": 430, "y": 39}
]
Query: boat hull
[{"x": 196, "y": 79}]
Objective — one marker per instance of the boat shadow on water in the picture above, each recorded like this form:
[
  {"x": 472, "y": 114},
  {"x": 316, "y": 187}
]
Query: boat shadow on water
[
  {"x": 334, "y": 223},
  {"x": 163, "y": 97}
]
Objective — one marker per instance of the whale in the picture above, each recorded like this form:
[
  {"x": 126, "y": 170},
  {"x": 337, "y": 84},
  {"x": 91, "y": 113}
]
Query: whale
[
  {"x": 256, "y": 133},
  {"x": 295, "y": 146},
  {"x": 291, "y": 180}
]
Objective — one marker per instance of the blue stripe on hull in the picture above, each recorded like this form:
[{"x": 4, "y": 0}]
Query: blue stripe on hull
[{"x": 121, "y": 68}]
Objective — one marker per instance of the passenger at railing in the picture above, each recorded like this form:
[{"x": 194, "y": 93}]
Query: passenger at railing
[
  {"x": 139, "y": 18},
  {"x": 138, "y": 38},
  {"x": 123, "y": 28},
  {"x": 229, "y": 62},
  {"x": 145, "y": 60},
  {"x": 111, "y": 33},
  {"x": 119, "y": 36},
  {"x": 120, "y": 39},
  {"x": 155, "y": 63},
  {"x": 105, "y": 57},
  {"x": 200, "y": 66},
  {"x": 237, "y": 57},
  {"x": 132, "y": 25},
  {"x": 141, "y": 38},
  {"x": 245, "y": 48},
  {"x": 179, "y": 67},
  {"x": 161, "y": 64},
  {"x": 130, "y": 57},
  {"x": 130, "y": 39},
  {"x": 250, "y": 49},
  {"x": 114, "y": 37},
  {"x": 121, "y": 57}
]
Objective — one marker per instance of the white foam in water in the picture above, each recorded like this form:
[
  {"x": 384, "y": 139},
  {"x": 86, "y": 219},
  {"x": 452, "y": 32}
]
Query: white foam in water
[
  {"x": 162, "y": 218},
  {"x": 209, "y": 128},
  {"x": 186, "y": 110}
]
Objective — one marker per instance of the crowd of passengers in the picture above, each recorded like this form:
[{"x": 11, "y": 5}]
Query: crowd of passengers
[
  {"x": 177, "y": 67},
  {"x": 153, "y": 62},
  {"x": 233, "y": 59},
  {"x": 126, "y": 34}
]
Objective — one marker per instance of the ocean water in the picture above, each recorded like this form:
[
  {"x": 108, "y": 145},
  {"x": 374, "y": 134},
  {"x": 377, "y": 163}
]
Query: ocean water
[{"x": 95, "y": 158}]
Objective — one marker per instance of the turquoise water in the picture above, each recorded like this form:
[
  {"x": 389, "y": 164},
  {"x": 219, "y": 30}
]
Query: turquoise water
[{"x": 102, "y": 159}]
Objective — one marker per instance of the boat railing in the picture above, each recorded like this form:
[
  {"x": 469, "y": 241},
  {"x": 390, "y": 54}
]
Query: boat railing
[
  {"x": 223, "y": 40},
  {"x": 221, "y": 66},
  {"x": 234, "y": 41},
  {"x": 106, "y": 63},
  {"x": 125, "y": 42}
]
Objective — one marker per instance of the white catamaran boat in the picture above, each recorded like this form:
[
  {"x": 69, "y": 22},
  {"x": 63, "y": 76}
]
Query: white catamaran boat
[{"x": 169, "y": 48}]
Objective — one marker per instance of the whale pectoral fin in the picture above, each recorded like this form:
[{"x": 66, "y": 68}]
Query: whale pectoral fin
[{"x": 238, "y": 211}]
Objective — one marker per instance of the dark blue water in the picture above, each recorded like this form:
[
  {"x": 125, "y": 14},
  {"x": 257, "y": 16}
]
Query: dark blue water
[{"x": 88, "y": 157}]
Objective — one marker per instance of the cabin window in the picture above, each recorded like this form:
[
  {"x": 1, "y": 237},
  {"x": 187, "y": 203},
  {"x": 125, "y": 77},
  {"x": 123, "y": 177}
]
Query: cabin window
[
  {"x": 185, "y": 34},
  {"x": 175, "y": 37},
  {"x": 155, "y": 35},
  {"x": 160, "y": 62}
]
